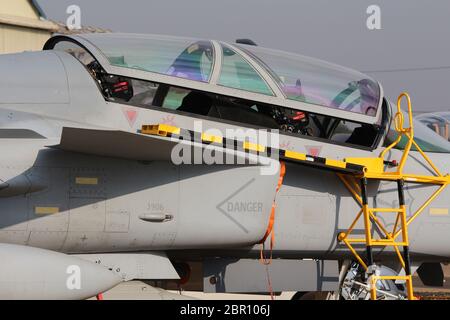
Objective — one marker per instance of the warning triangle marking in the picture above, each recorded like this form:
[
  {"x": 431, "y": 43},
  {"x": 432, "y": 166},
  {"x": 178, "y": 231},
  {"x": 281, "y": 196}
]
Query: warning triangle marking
[
  {"x": 313, "y": 150},
  {"x": 130, "y": 115}
]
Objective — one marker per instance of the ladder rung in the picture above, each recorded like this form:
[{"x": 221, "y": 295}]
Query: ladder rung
[
  {"x": 386, "y": 209},
  {"x": 388, "y": 243},
  {"x": 356, "y": 240},
  {"x": 379, "y": 242}
]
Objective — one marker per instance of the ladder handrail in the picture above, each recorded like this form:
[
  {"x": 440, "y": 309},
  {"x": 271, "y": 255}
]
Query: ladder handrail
[
  {"x": 409, "y": 134},
  {"x": 402, "y": 131}
]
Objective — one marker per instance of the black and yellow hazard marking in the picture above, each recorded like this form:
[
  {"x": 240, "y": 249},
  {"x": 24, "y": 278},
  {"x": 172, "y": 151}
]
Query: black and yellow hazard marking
[
  {"x": 211, "y": 138},
  {"x": 249, "y": 146},
  {"x": 164, "y": 130}
]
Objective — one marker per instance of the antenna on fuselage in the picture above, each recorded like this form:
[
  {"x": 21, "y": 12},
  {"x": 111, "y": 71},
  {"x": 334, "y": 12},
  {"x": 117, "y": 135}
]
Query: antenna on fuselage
[{"x": 247, "y": 42}]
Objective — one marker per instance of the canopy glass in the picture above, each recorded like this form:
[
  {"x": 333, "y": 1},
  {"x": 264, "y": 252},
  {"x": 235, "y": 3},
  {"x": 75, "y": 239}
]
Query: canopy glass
[
  {"x": 318, "y": 82},
  {"x": 184, "y": 58}
]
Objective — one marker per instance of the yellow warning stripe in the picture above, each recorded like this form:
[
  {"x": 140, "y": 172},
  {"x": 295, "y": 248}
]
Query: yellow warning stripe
[
  {"x": 210, "y": 138},
  {"x": 335, "y": 163},
  {"x": 160, "y": 129},
  {"x": 295, "y": 155},
  {"x": 254, "y": 147},
  {"x": 375, "y": 165},
  {"x": 355, "y": 164}
]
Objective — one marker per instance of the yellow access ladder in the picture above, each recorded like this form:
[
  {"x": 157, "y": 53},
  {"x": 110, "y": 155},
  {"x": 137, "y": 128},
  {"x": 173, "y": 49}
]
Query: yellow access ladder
[{"x": 398, "y": 236}]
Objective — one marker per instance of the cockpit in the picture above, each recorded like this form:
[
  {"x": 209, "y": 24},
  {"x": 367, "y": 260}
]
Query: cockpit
[{"x": 241, "y": 84}]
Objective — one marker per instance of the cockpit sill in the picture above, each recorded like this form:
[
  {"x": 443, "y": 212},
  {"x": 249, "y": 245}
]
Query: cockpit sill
[{"x": 378, "y": 142}]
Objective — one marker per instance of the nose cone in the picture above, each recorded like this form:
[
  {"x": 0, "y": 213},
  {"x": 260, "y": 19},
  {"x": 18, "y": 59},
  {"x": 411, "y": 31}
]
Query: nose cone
[{"x": 32, "y": 273}]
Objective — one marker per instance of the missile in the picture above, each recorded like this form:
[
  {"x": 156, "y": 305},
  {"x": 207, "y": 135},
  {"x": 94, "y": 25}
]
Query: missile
[{"x": 28, "y": 273}]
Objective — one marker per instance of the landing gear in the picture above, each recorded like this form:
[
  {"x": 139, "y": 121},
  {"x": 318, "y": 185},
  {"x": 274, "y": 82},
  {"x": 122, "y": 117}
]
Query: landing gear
[{"x": 356, "y": 284}]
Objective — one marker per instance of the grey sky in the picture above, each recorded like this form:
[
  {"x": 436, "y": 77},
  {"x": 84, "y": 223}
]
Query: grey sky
[{"x": 414, "y": 33}]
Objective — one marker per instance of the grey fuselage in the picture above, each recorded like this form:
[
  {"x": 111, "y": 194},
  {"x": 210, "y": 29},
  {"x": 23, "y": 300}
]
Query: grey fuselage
[{"x": 82, "y": 203}]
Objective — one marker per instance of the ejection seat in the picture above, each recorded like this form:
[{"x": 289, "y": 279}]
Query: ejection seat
[
  {"x": 363, "y": 136},
  {"x": 197, "y": 103},
  {"x": 226, "y": 109}
]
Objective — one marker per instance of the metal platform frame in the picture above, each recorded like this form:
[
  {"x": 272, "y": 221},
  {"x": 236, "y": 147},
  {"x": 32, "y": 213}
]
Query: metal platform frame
[{"x": 398, "y": 236}]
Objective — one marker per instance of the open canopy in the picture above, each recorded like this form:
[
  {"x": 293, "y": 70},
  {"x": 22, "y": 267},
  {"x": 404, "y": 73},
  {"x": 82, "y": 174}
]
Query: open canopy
[{"x": 265, "y": 74}]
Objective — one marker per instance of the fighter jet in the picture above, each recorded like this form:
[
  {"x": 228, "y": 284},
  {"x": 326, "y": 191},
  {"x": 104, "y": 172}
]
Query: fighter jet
[
  {"x": 211, "y": 166},
  {"x": 437, "y": 121}
]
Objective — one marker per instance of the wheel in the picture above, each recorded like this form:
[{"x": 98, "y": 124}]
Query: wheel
[{"x": 355, "y": 287}]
